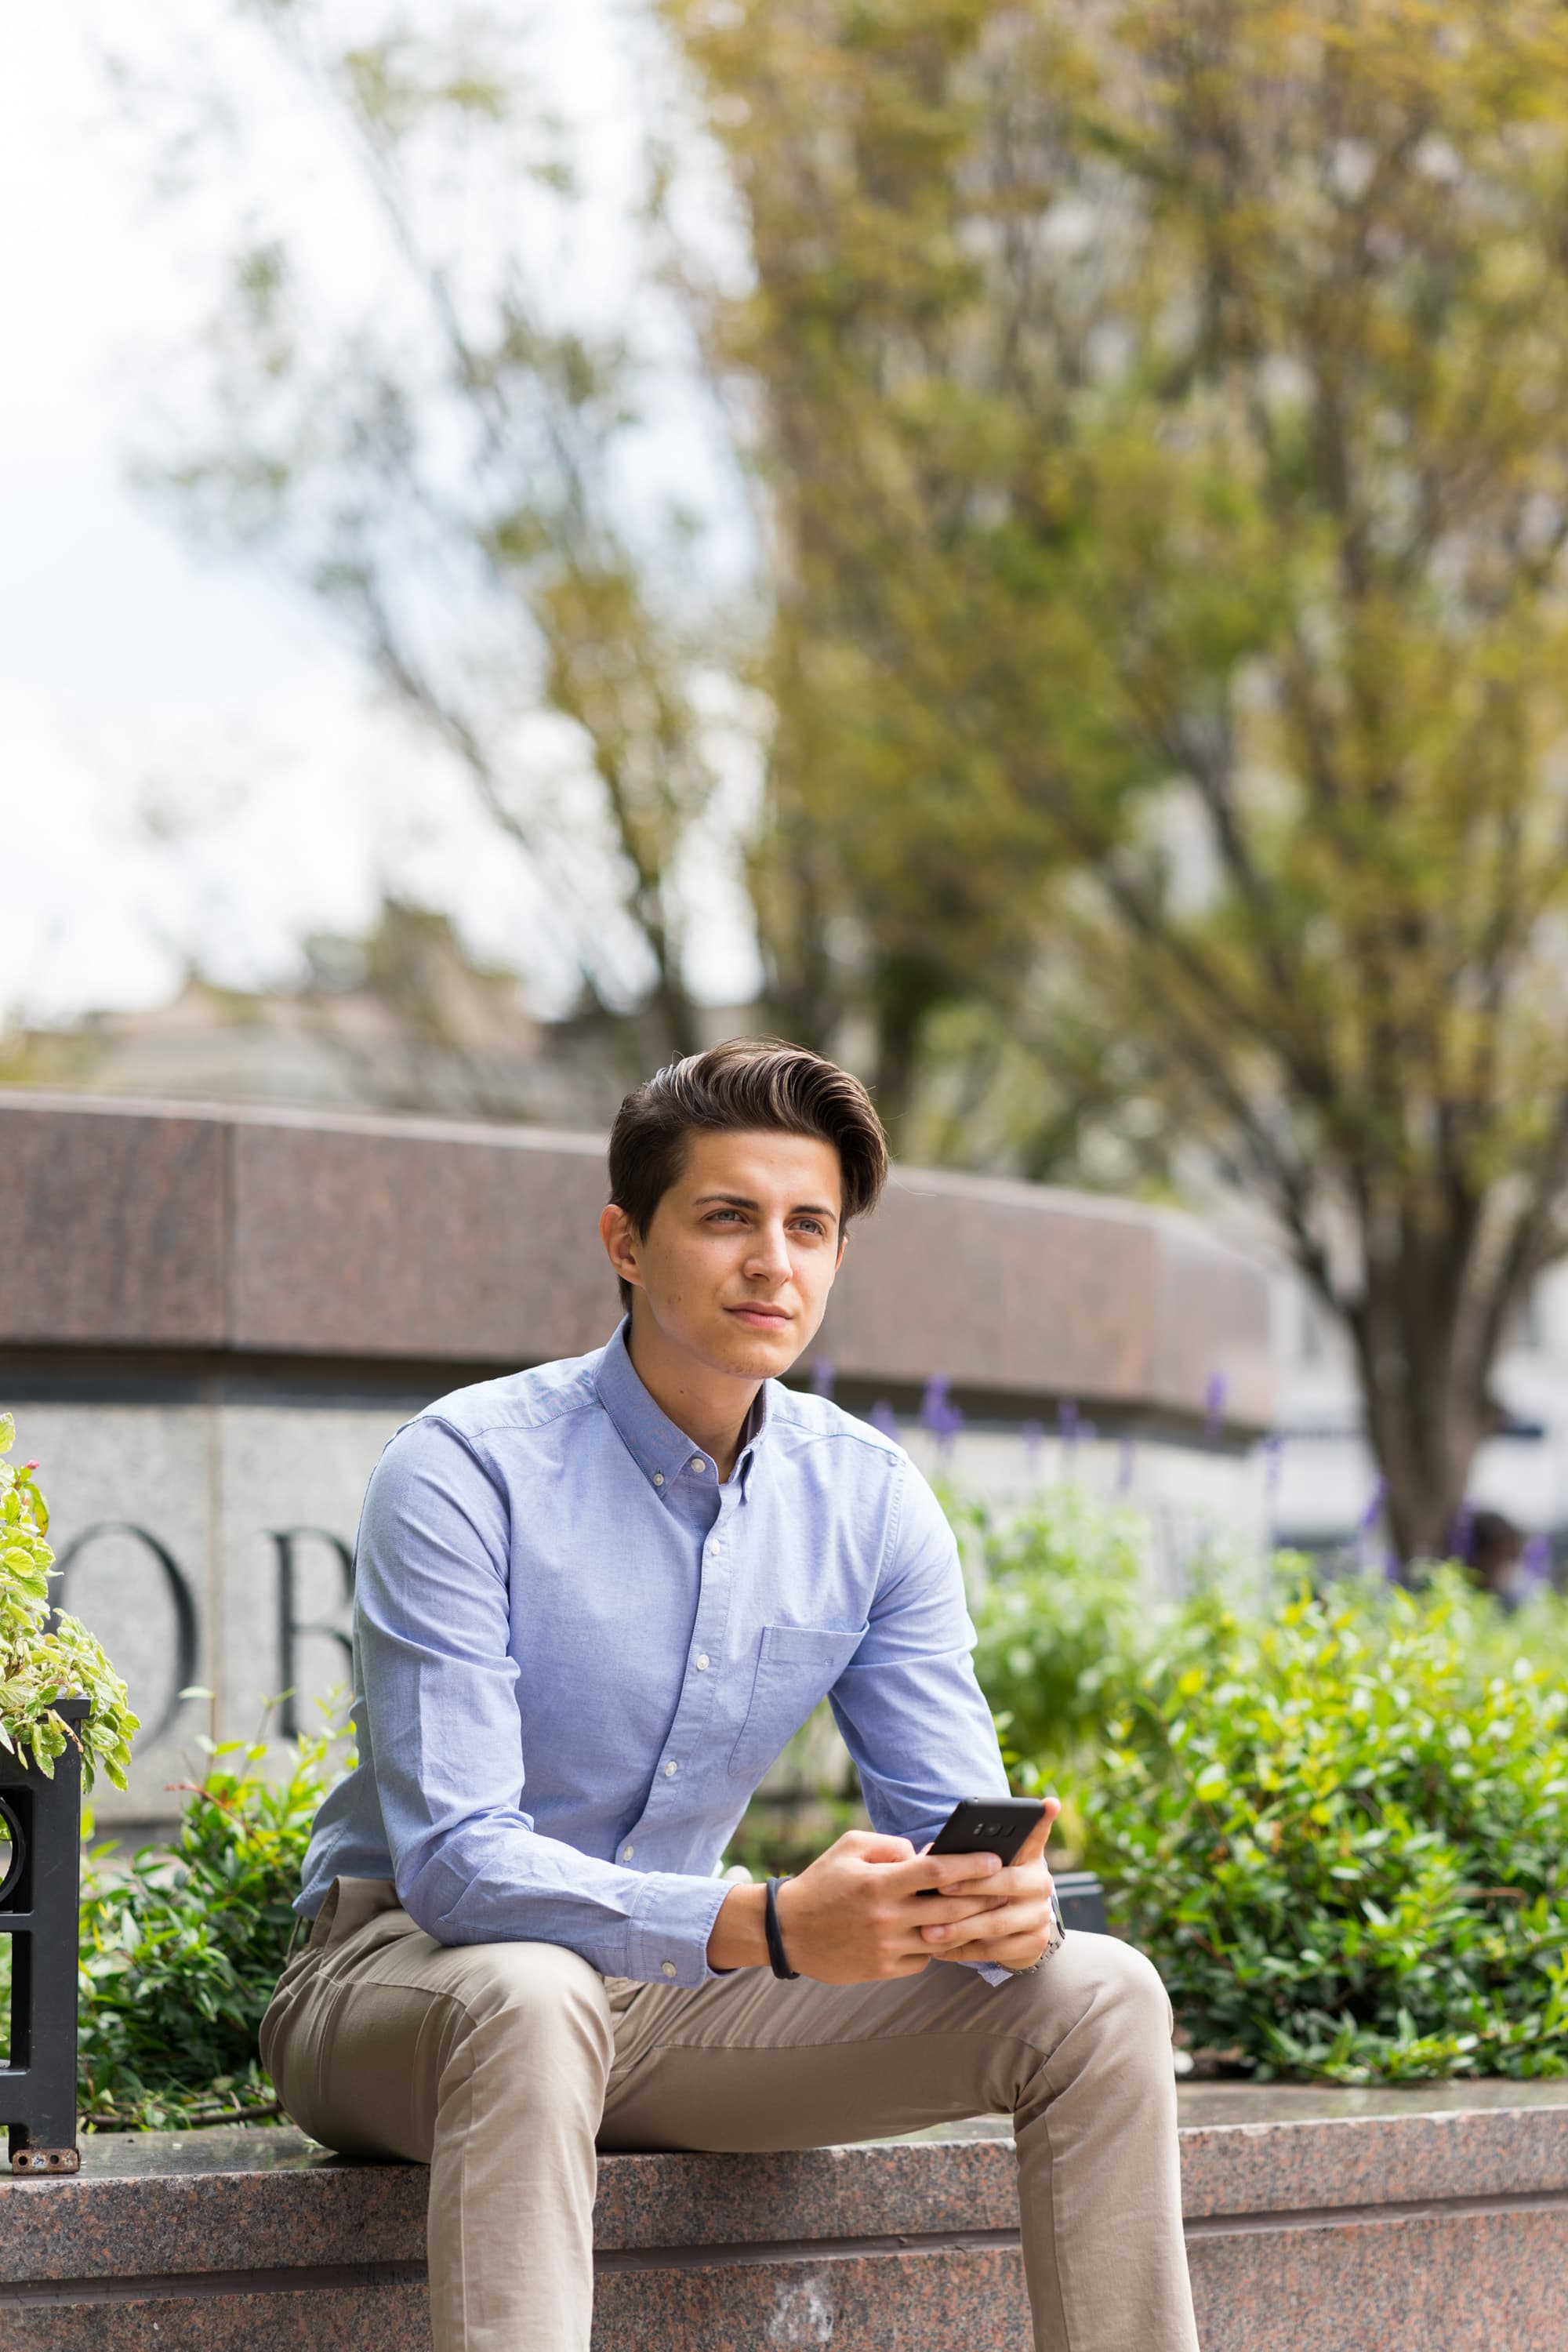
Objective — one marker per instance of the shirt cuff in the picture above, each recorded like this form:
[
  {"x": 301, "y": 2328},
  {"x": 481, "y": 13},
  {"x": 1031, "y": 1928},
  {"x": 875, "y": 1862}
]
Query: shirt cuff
[
  {"x": 992, "y": 1970},
  {"x": 670, "y": 1924}
]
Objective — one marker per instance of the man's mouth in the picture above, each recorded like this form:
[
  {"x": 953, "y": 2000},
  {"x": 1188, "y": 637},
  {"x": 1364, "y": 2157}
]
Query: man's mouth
[{"x": 762, "y": 1318}]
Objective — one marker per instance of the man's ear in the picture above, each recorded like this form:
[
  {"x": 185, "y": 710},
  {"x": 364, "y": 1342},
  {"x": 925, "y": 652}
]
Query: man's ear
[{"x": 620, "y": 1242}]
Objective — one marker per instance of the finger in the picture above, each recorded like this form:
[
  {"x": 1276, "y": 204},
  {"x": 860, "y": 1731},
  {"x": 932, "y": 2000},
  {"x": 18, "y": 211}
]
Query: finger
[
  {"x": 990, "y": 1927},
  {"x": 1019, "y": 1883},
  {"x": 869, "y": 1845},
  {"x": 946, "y": 1870},
  {"x": 948, "y": 1910}
]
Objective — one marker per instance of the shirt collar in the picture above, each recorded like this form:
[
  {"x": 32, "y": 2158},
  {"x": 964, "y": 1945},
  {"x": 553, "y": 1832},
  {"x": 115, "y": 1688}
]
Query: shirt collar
[{"x": 661, "y": 1452}]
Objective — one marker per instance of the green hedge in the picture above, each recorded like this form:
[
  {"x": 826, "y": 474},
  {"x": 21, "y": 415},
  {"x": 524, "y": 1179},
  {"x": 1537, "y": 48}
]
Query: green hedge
[
  {"x": 1058, "y": 1596},
  {"x": 1337, "y": 1826},
  {"x": 181, "y": 1947},
  {"x": 1339, "y": 1833}
]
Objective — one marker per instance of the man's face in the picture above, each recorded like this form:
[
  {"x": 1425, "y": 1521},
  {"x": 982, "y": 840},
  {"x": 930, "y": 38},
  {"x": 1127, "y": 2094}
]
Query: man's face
[{"x": 740, "y": 1254}]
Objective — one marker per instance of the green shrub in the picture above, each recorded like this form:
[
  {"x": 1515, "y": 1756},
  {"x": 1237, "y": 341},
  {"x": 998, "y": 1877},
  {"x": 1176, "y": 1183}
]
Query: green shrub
[
  {"x": 1340, "y": 1835},
  {"x": 181, "y": 1949},
  {"x": 42, "y": 1662},
  {"x": 1056, "y": 1596}
]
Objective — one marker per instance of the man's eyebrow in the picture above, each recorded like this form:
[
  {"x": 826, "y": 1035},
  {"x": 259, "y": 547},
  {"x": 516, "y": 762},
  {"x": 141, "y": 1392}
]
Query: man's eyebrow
[{"x": 741, "y": 1201}]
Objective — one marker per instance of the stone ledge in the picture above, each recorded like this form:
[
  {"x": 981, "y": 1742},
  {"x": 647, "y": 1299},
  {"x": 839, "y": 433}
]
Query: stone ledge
[
  {"x": 244, "y": 1235},
  {"x": 1416, "y": 2222}
]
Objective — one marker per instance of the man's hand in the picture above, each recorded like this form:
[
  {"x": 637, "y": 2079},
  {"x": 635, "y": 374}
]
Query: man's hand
[
  {"x": 860, "y": 1911},
  {"x": 1013, "y": 1925}
]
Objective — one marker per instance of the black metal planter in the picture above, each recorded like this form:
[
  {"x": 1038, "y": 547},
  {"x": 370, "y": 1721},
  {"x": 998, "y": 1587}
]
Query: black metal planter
[
  {"x": 38, "y": 1898},
  {"x": 1082, "y": 1900}
]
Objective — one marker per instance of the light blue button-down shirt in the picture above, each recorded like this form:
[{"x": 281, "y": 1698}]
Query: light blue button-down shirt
[{"x": 577, "y": 1653}]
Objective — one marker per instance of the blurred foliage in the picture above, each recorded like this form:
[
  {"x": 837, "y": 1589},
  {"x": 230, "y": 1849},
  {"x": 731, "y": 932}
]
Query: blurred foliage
[
  {"x": 1337, "y": 1827},
  {"x": 448, "y": 459},
  {"x": 1165, "y": 410},
  {"x": 1147, "y": 426},
  {"x": 45, "y": 1657},
  {"x": 182, "y": 1947},
  {"x": 1059, "y": 1607},
  {"x": 1338, "y": 1833}
]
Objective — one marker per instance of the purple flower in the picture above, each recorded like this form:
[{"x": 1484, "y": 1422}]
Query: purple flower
[
  {"x": 1374, "y": 1511},
  {"x": 1214, "y": 1406},
  {"x": 1127, "y": 1466},
  {"x": 1460, "y": 1532},
  {"x": 822, "y": 1375},
  {"x": 1033, "y": 1435},
  {"x": 882, "y": 1417},
  {"x": 938, "y": 1412},
  {"x": 1536, "y": 1560},
  {"x": 1273, "y": 1464}
]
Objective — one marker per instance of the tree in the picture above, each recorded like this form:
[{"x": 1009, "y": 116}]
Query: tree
[
  {"x": 912, "y": 369},
  {"x": 454, "y": 461},
  {"x": 1167, "y": 408}
]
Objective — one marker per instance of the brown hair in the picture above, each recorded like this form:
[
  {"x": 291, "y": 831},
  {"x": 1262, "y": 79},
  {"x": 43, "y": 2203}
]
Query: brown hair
[{"x": 748, "y": 1082}]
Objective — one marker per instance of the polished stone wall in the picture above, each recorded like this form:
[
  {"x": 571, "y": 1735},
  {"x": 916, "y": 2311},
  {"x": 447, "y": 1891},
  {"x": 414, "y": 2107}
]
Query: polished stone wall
[{"x": 1421, "y": 2220}]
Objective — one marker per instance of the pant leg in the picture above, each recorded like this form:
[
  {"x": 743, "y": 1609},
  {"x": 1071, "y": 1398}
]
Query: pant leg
[
  {"x": 488, "y": 2062},
  {"x": 1078, "y": 2052}
]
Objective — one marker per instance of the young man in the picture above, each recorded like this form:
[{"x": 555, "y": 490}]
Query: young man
[{"x": 593, "y": 1602}]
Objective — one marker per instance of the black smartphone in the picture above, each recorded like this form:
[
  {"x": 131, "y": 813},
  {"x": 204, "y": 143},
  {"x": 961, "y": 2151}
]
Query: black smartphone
[{"x": 995, "y": 1825}]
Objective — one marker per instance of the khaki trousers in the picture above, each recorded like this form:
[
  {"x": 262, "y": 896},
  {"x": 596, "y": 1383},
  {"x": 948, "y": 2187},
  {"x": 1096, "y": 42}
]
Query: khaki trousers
[{"x": 503, "y": 2065}]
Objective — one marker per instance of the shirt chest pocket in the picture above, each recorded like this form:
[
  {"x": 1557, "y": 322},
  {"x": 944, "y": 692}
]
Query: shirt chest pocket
[{"x": 796, "y": 1667}]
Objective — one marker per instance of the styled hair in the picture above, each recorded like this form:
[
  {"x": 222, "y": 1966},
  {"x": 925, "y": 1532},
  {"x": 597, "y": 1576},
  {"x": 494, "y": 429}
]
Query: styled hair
[{"x": 747, "y": 1082}]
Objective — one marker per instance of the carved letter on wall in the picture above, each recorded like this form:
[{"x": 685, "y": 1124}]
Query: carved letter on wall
[
  {"x": 290, "y": 1626},
  {"x": 187, "y": 1644}
]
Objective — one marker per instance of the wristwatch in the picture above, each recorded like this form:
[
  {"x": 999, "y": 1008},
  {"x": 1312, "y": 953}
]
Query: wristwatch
[{"x": 1054, "y": 1941}]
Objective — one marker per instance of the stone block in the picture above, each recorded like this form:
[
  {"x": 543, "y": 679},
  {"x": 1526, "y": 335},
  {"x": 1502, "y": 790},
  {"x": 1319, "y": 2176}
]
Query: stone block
[{"x": 1406, "y": 2221}]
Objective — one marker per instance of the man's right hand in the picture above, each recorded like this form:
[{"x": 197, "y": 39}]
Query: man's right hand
[{"x": 856, "y": 1914}]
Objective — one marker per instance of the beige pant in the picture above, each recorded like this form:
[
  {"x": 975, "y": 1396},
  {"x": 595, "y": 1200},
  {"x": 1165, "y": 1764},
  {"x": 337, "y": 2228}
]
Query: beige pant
[{"x": 501, "y": 2065}]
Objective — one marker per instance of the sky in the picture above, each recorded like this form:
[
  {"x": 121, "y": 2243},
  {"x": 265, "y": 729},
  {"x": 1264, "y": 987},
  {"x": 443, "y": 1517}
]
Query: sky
[{"x": 192, "y": 765}]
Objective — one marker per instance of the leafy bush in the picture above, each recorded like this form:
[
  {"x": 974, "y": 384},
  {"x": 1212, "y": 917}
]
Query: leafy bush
[
  {"x": 1056, "y": 1595},
  {"x": 181, "y": 1949},
  {"x": 1340, "y": 1835},
  {"x": 41, "y": 1662}
]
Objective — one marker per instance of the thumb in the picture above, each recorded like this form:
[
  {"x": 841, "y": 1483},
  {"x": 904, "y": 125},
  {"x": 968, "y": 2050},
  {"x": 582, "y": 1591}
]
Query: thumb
[{"x": 1034, "y": 1845}]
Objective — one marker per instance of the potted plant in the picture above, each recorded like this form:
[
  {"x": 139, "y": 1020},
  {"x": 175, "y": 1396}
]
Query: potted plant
[{"x": 64, "y": 1716}]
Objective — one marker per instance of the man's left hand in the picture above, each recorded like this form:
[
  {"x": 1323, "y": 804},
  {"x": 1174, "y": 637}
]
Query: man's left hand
[{"x": 1012, "y": 1922}]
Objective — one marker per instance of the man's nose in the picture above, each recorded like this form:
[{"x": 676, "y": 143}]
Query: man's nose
[{"x": 769, "y": 1254}]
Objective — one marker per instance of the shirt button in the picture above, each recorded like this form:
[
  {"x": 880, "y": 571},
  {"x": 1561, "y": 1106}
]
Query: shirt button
[
  {"x": 701, "y": 1662},
  {"x": 627, "y": 1852},
  {"x": 658, "y": 1477},
  {"x": 671, "y": 1770},
  {"x": 697, "y": 1461},
  {"x": 667, "y": 1968}
]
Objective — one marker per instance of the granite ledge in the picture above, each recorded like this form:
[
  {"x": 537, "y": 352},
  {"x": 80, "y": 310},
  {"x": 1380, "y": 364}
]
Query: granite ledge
[{"x": 156, "y": 2204}]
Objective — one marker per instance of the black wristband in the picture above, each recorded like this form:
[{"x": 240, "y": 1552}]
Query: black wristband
[{"x": 781, "y": 1967}]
